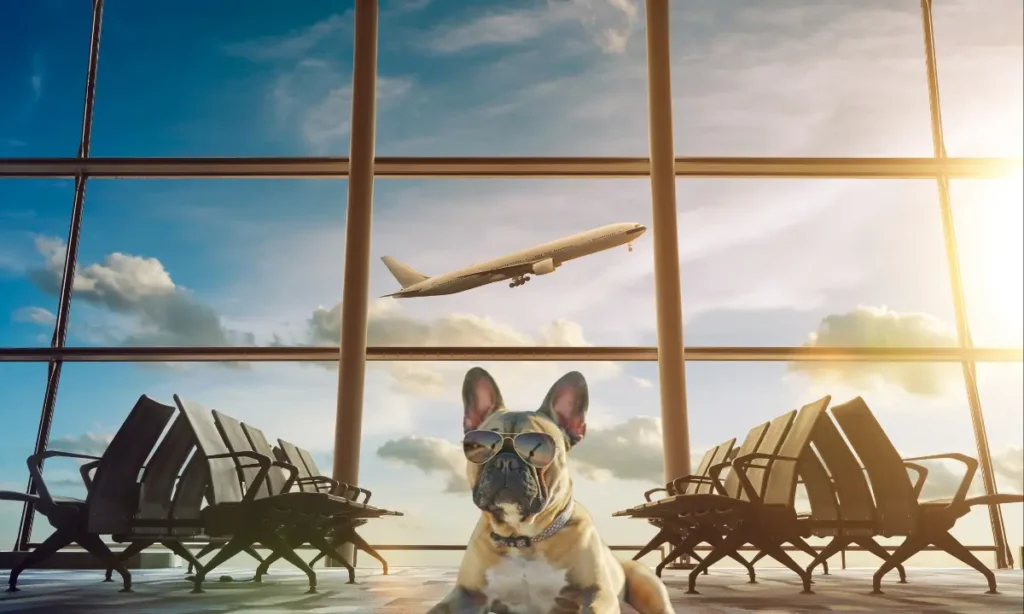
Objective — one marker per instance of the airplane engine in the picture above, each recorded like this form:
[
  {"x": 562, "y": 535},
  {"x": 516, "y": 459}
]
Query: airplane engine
[{"x": 544, "y": 267}]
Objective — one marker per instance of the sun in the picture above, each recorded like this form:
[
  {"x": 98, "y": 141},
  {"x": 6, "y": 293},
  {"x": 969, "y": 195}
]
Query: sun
[{"x": 993, "y": 257}]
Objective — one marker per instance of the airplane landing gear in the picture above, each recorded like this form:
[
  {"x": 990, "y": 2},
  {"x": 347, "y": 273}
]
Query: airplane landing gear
[
  {"x": 630, "y": 246},
  {"x": 518, "y": 281}
]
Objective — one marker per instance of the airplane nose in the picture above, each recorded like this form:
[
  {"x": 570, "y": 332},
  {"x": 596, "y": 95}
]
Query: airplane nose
[{"x": 637, "y": 230}]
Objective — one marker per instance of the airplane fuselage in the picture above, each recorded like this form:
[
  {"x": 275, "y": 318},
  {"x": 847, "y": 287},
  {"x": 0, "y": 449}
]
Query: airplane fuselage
[{"x": 539, "y": 260}]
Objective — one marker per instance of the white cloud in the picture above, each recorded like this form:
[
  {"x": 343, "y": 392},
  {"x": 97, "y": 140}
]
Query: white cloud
[
  {"x": 492, "y": 29},
  {"x": 880, "y": 327},
  {"x": 432, "y": 456},
  {"x": 37, "y": 86},
  {"x": 37, "y": 77},
  {"x": 163, "y": 313},
  {"x": 1009, "y": 468},
  {"x": 313, "y": 98},
  {"x": 329, "y": 120},
  {"x": 630, "y": 450},
  {"x": 609, "y": 22},
  {"x": 296, "y": 43},
  {"x": 34, "y": 315},
  {"x": 643, "y": 382},
  {"x": 389, "y": 325},
  {"x": 90, "y": 443}
]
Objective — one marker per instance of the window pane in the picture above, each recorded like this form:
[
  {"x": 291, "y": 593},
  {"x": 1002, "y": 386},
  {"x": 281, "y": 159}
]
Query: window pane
[
  {"x": 45, "y": 50},
  {"x": 293, "y": 401},
  {"x": 795, "y": 78},
  {"x": 207, "y": 262},
  {"x": 23, "y": 386},
  {"x": 34, "y": 219},
  {"x": 239, "y": 81},
  {"x": 980, "y": 51},
  {"x": 512, "y": 78},
  {"x": 1001, "y": 387},
  {"x": 413, "y": 457},
  {"x": 988, "y": 214},
  {"x": 817, "y": 262},
  {"x": 727, "y": 399},
  {"x": 436, "y": 227}
]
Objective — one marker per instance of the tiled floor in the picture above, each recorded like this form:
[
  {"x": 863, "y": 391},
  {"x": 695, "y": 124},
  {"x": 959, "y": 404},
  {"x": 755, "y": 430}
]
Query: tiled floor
[{"x": 415, "y": 589}]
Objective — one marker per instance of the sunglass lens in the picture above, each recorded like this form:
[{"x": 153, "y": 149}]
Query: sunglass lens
[
  {"x": 537, "y": 449},
  {"x": 481, "y": 446}
]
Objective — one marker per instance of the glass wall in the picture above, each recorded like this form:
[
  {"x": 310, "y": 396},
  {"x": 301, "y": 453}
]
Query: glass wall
[
  {"x": 207, "y": 262},
  {"x": 793, "y": 78},
  {"x": 791, "y": 260}
]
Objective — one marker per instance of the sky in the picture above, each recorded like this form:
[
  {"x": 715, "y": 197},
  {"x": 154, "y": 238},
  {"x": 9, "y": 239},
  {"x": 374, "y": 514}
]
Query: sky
[{"x": 763, "y": 262}]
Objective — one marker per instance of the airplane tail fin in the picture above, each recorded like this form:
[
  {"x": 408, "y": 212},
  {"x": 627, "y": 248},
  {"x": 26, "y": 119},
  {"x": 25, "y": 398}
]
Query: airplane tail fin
[{"x": 402, "y": 273}]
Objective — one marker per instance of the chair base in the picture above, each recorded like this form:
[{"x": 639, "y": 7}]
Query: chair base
[{"x": 80, "y": 559}]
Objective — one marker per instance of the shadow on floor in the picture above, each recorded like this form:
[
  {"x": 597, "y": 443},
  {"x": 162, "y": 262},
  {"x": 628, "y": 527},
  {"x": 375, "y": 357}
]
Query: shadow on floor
[{"x": 414, "y": 589}]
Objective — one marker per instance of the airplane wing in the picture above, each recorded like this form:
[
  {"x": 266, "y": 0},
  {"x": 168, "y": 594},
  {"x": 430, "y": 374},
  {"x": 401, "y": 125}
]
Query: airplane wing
[{"x": 510, "y": 271}]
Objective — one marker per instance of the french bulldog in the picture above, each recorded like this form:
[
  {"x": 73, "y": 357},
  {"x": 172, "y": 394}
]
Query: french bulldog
[{"x": 534, "y": 549}]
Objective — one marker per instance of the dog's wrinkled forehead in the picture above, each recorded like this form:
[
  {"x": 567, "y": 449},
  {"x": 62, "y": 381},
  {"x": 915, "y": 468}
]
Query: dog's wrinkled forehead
[{"x": 522, "y": 422}]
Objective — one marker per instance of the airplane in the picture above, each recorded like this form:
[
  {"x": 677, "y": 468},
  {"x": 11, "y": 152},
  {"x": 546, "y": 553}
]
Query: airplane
[{"x": 539, "y": 260}]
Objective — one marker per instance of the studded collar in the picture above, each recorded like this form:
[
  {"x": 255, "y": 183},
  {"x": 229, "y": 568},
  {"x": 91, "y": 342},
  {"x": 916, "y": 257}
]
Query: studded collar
[{"x": 522, "y": 541}]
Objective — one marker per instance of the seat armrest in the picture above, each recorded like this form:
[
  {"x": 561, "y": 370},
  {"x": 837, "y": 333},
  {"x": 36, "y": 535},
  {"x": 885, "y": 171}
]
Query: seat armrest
[
  {"x": 320, "y": 480},
  {"x": 922, "y": 475},
  {"x": 679, "y": 484},
  {"x": 970, "y": 463},
  {"x": 647, "y": 495},
  {"x": 35, "y": 469},
  {"x": 356, "y": 491},
  {"x": 740, "y": 464},
  {"x": 85, "y": 470},
  {"x": 713, "y": 475},
  {"x": 293, "y": 472}
]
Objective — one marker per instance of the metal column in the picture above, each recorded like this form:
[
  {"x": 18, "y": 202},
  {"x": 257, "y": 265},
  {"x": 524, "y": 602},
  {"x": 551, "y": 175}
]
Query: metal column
[
  {"x": 352, "y": 363},
  {"x": 60, "y": 330},
  {"x": 956, "y": 283},
  {"x": 671, "y": 368}
]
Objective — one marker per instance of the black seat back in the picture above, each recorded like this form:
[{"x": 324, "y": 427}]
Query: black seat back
[
  {"x": 781, "y": 476},
  {"x": 719, "y": 454},
  {"x": 895, "y": 499},
  {"x": 757, "y": 471},
  {"x": 276, "y": 477},
  {"x": 161, "y": 474},
  {"x": 114, "y": 496},
  {"x": 749, "y": 446},
  {"x": 188, "y": 497},
  {"x": 236, "y": 440},
  {"x": 851, "y": 487},
  {"x": 221, "y": 473}
]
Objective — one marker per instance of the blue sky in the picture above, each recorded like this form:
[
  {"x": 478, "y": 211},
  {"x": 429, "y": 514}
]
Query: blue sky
[{"x": 763, "y": 262}]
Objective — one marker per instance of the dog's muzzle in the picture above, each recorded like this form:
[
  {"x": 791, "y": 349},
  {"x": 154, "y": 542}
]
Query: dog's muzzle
[{"x": 507, "y": 480}]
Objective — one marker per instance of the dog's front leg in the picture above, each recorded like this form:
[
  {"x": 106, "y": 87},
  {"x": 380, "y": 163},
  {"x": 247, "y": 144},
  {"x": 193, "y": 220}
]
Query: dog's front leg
[
  {"x": 604, "y": 602},
  {"x": 586, "y": 601},
  {"x": 461, "y": 601}
]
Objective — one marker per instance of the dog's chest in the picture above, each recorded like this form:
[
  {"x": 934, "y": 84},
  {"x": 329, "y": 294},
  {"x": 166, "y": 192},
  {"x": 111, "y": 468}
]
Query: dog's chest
[{"x": 525, "y": 585}]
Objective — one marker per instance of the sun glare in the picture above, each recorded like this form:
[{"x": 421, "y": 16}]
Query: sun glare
[{"x": 998, "y": 222}]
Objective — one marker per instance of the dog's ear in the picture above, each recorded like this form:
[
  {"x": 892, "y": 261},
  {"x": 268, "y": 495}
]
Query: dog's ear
[
  {"x": 566, "y": 404},
  {"x": 480, "y": 398}
]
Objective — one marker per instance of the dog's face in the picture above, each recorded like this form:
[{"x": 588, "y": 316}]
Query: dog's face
[{"x": 506, "y": 487}]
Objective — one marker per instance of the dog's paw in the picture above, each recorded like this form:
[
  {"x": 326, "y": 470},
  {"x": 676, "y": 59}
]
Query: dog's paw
[{"x": 461, "y": 601}]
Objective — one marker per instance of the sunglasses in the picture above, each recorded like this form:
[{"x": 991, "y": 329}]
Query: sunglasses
[{"x": 536, "y": 449}]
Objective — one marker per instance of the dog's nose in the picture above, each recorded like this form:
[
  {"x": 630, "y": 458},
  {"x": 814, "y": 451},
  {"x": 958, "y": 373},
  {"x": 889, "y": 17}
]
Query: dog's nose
[{"x": 507, "y": 462}]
